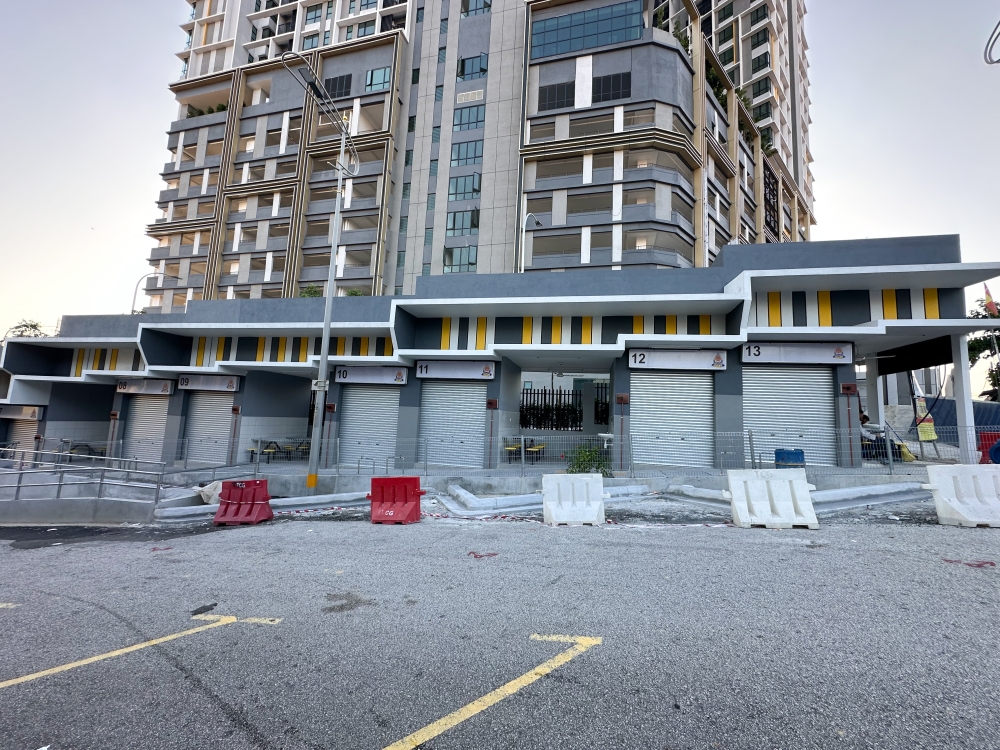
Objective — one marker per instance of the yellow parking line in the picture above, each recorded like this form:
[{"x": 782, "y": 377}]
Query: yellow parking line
[
  {"x": 580, "y": 644},
  {"x": 217, "y": 621},
  {"x": 8, "y": 605}
]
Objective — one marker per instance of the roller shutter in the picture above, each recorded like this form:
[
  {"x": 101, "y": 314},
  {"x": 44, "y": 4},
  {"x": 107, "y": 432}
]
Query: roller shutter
[
  {"x": 672, "y": 419},
  {"x": 790, "y": 407},
  {"x": 209, "y": 426},
  {"x": 22, "y": 432},
  {"x": 369, "y": 415},
  {"x": 145, "y": 427},
  {"x": 452, "y": 423}
]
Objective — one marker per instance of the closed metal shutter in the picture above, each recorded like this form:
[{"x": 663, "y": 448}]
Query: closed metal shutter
[
  {"x": 145, "y": 427},
  {"x": 22, "y": 432},
  {"x": 672, "y": 419},
  {"x": 790, "y": 407},
  {"x": 368, "y": 418},
  {"x": 209, "y": 426},
  {"x": 452, "y": 423}
]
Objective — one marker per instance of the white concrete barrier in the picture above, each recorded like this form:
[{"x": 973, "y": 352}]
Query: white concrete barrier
[
  {"x": 965, "y": 495},
  {"x": 773, "y": 498},
  {"x": 573, "y": 499}
]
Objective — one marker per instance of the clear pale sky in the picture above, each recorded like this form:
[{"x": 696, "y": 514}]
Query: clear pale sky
[{"x": 904, "y": 136}]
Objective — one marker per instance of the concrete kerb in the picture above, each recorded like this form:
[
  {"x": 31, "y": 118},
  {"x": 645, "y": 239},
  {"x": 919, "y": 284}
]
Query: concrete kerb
[{"x": 201, "y": 513}]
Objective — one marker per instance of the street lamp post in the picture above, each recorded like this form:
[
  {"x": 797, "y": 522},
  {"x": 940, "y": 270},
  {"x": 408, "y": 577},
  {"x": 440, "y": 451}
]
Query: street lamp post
[
  {"x": 524, "y": 229},
  {"x": 135, "y": 294},
  {"x": 308, "y": 78}
]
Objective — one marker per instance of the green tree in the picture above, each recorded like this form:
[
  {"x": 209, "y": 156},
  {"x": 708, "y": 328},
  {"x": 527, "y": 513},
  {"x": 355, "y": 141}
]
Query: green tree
[
  {"x": 27, "y": 329},
  {"x": 981, "y": 345},
  {"x": 310, "y": 290},
  {"x": 355, "y": 292}
]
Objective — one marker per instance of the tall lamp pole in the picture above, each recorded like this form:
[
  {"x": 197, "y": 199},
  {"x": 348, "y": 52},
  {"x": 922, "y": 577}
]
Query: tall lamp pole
[
  {"x": 524, "y": 229},
  {"x": 308, "y": 78}
]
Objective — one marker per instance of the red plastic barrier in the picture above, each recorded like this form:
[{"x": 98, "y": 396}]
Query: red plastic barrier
[
  {"x": 396, "y": 499},
  {"x": 244, "y": 502},
  {"x": 986, "y": 441}
]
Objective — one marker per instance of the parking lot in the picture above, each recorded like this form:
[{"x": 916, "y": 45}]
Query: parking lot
[{"x": 348, "y": 635}]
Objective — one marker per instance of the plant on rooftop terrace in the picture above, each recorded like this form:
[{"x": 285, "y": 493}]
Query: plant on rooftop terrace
[
  {"x": 26, "y": 329},
  {"x": 588, "y": 460},
  {"x": 717, "y": 86},
  {"x": 310, "y": 290},
  {"x": 681, "y": 37},
  {"x": 355, "y": 292}
]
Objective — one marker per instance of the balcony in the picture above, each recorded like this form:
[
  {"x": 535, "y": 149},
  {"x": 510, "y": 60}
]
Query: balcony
[{"x": 285, "y": 28}]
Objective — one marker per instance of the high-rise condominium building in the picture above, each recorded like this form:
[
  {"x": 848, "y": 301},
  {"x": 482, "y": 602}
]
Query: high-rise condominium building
[{"x": 634, "y": 133}]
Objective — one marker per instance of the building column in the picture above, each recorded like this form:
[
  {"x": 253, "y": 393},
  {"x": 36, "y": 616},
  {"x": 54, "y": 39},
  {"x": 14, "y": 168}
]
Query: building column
[
  {"x": 963, "y": 399},
  {"x": 873, "y": 391}
]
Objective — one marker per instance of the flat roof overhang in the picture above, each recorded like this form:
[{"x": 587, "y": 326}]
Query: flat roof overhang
[{"x": 943, "y": 276}]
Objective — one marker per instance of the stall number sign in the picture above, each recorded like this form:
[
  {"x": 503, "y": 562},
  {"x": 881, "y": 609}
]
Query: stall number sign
[
  {"x": 148, "y": 387},
  {"x": 208, "y": 383},
  {"x": 456, "y": 370},
  {"x": 666, "y": 359},
  {"x": 370, "y": 375},
  {"x": 801, "y": 354}
]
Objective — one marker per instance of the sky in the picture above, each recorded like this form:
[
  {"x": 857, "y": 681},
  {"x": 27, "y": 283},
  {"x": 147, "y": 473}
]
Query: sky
[{"x": 904, "y": 138}]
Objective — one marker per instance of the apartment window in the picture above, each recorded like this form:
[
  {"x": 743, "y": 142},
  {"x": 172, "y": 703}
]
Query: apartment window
[
  {"x": 404, "y": 224},
  {"x": 556, "y": 96},
  {"x": 726, "y": 34},
  {"x": 475, "y": 7},
  {"x": 420, "y": 15},
  {"x": 425, "y": 270},
  {"x": 415, "y": 76},
  {"x": 326, "y": 38},
  {"x": 310, "y": 42},
  {"x": 377, "y": 80},
  {"x": 180, "y": 212},
  {"x": 398, "y": 291},
  {"x": 428, "y": 237},
  {"x": 438, "y": 93},
  {"x": 469, "y": 118},
  {"x": 442, "y": 52},
  {"x": 431, "y": 201},
  {"x": 253, "y": 38},
  {"x": 444, "y": 26},
  {"x": 758, "y": 15},
  {"x": 463, "y": 223},
  {"x": 406, "y": 191},
  {"x": 284, "y": 169},
  {"x": 762, "y": 111},
  {"x": 725, "y": 13},
  {"x": 408, "y": 158},
  {"x": 319, "y": 228},
  {"x": 401, "y": 259},
  {"x": 727, "y": 55},
  {"x": 761, "y": 87},
  {"x": 615, "y": 86},
  {"x": 734, "y": 75},
  {"x": 464, "y": 188},
  {"x": 611, "y": 24},
  {"x": 436, "y": 134},
  {"x": 411, "y": 124},
  {"x": 366, "y": 29},
  {"x": 470, "y": 68},
  {"x": 463, "y": 154},
  {"x": 368, "y": 4},
  {"x": 314, "y": 13},
  {"x": 759, "y": 38},
  {"x": 760, "y": 62},
  {"x": 214, "y": 148},
  {"x": 350, "y": 33},
  {"x": 329, "y": 9},
  {"x": 460, "y": 259},
  {"x": 434, "y": 168},
  {"x": 339, "y": 87}
]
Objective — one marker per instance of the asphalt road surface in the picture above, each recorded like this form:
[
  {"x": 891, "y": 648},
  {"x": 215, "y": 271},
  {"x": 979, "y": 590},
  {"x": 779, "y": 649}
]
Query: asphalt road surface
[{"x": 859, "y": 635}]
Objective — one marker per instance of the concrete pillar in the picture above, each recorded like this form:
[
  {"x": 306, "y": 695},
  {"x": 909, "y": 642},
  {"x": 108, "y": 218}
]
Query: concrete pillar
[
  {"x": 848, "y": 419},
  {"x": 620, "y": 414},
  {"x": 729, "y": 450},
  {"x": 589, "y": 395},
  {"x": 963, "y": 399},
  {"x": 408, "y": 426},
  {"x": 873, "y": 385}
]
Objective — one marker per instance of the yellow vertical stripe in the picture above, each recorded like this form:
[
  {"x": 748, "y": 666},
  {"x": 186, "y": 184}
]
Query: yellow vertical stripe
[
  {"x": 81, "y": 354},
  {"x": 388, "y": 346},
  {"x": 889, "y": 304},
  {"x": 637, "y": 324},
  {"x": 282, "y": 343},
  {"x": 672, "y": 325},
  {"x": 556, "y": 330},
  {"x": 526, "y": 324},
  {"x": 220, "y": 349},
  {"x": 587, "y": 334},
  {"x": 774, "y": 309},
  {"x": 932, "y": 311},
  {"x": 303, "y": 349},
  {"x": 260, "y": 348},
  {"x": 364, "y": 346},
  {"x": 825, "y": 311},
  {"x": 341, "y": 344},
  {"x": 114, "y": 360},
  {"x": 445, "y": 333},
  {"x": 200, "y": 359},
  {"x": 96, "y": 364},
  {"x": 481, "y": 333},
  {"x": 705, "y": 325}
]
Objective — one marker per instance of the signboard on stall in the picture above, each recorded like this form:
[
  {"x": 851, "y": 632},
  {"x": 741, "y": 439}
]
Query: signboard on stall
[
  {"x": 798, "y": 354},
  {"x": 671, "y": 359},
  {"x": 456, "y": 370},
  {"x": 146, "y": 387},
  {"x": 370, "y": 375},
  {"x": 34, "y": 413},
  {"x": 224, "y": 383}
]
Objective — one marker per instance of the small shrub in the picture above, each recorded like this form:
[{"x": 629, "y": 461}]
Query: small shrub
[
  {"x": 311, "y": 290},
  {"x": 588, "y": 460}
]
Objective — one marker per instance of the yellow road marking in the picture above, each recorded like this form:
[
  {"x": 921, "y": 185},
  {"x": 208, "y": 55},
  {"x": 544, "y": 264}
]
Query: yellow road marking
[
  {"x": 580, "y": 644},
  {"x": 216, "y": 621},
  {"x": 8, "y": 605}
]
